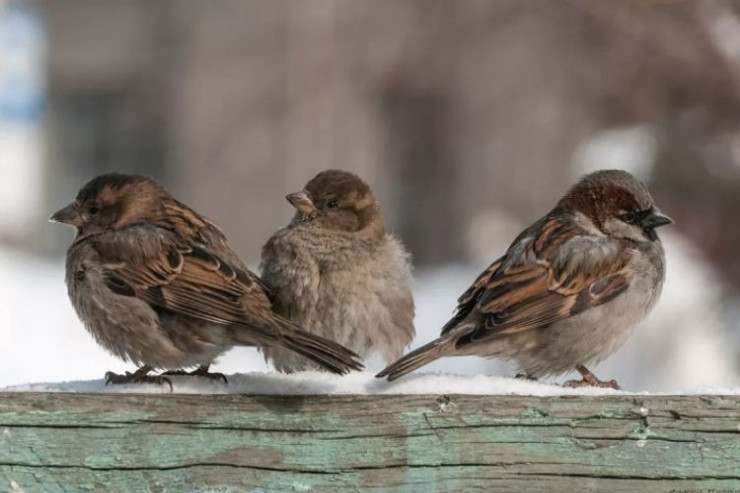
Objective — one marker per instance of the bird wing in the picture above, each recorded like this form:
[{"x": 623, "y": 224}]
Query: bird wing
[
  {"x": 467, "y": 302},
  {"x": 564, "y": 272},
  {"x": 187, "y": 278}
]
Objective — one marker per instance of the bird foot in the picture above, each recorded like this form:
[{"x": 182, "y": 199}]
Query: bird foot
[
  {"x": 136, "y": 377},
  {"x": 199, "y": 372},
  {"x": 592, "y": 382},
  {"x": 524, "y": 376}
]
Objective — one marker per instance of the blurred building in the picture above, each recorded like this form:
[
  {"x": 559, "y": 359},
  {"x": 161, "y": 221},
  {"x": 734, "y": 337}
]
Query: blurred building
[
  {"x": 451, "y": 109},
  {"x": 469, "y": 117},
  {"x": 22, "y": 94}
]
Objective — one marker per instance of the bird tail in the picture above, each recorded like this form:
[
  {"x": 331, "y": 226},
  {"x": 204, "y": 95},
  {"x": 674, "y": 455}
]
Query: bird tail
[
  {"x": 416, "y": 359},
  {"x": 326, "y": 353}
]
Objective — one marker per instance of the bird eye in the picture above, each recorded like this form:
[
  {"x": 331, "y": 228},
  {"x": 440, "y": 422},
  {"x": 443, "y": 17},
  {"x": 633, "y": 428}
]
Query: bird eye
[
  {"x": 332, "y": 204},
  {"x": 93, "y": 209},
  {"x": 636, "y": 217},
  {"x": 628, "y": 217}
]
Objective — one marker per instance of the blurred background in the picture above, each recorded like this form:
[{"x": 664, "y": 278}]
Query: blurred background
[{"x": 469, "y": 118}]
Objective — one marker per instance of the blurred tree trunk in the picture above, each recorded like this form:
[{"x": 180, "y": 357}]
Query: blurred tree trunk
[{"x": 417, "y": 127}]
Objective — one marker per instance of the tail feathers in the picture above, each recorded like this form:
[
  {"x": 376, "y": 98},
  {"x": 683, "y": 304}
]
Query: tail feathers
[
  {"x": 416, "y": 359},
  {"x": 324, "y": 352},
  {"x": 281, "y": 332}
]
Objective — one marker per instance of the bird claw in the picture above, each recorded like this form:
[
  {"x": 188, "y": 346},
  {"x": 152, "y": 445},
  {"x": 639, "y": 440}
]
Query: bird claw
[
  {"x": 111, "y": 377},
  {"x": 214, "y": 376},
  {"x": 524, "y": 376},
  {"x": 588, "y": 382},
  {"x": 136, "y": 377}
]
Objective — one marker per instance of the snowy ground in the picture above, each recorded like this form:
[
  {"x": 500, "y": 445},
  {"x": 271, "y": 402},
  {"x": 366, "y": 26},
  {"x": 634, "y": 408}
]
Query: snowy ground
[
  {"x": 365, "y": 383},
  {"x": 682, "y": 347}
]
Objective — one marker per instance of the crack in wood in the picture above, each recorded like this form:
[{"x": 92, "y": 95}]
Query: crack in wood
[{"x": 462, "y": 465}]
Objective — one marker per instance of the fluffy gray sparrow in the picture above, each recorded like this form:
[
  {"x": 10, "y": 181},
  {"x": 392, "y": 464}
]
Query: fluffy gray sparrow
[
  {"x": 570, "y": 289},
  {"x": 335, "y": 271},
  {"x": 158, "y": 285}
]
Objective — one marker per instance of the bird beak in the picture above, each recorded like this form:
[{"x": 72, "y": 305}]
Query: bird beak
[
  {"x": 66, "y": 215},
  {"x": 302, "y": 202},
  {"x": 657, "y": 219}
]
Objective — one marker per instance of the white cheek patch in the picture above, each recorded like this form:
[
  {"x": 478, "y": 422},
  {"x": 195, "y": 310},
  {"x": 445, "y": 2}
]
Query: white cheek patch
[
  {"x": 620, "y": 229},
  {"x": 583, "y": 221}
]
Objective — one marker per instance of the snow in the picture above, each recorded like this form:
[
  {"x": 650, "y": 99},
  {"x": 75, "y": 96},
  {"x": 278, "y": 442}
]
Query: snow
[
  {"x": 683, "y": 347},
  {"x": 314, "y": 383},
  {"x": 317, "y": 383},
  {"x": 358, "y": 383}
]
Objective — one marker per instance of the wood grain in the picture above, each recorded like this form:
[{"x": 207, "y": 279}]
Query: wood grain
[{"x": 59, "y": 442}]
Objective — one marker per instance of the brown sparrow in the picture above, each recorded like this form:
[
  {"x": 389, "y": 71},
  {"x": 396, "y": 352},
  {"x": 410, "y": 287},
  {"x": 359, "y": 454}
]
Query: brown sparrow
[
  {"x": 570, "y": 289},
  {"x": 335, "y": 271},
  {"x": 158, "y": 285}
]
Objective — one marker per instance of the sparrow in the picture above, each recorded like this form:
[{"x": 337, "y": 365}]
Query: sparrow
[
  {"x": 158, "y": 285},
  {"x": 570, "y": 289},
  {"x": 336, "y": 271}
]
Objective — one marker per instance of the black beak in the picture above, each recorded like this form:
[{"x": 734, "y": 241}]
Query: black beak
[
  {"x": 656, "y": 219},
  {"x": 67, "y": 215}
]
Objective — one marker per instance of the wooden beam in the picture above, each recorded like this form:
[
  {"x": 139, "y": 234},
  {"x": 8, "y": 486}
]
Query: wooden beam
[{"x": 58, "y": 442}]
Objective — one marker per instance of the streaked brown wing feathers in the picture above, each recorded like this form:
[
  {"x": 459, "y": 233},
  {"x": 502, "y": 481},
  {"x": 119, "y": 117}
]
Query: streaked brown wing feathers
[
  {"x": 467, "y": 302},
  {"x": 193, "y": 281},
  {"x": 212, "y": 290},
  {"x": 528, "y": 296},
  {"x": 480, "y": 284}
]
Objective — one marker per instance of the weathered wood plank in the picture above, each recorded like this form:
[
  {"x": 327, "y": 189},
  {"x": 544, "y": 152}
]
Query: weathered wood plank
[{"x": 171, "y": 443}]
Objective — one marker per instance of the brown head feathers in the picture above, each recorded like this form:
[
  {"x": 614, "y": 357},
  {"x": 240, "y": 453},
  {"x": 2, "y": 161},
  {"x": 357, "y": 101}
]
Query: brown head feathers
[
  {"x": 115, "y": 200},
  {"x": 606, "y": 194},
  {"x": 112, "y": 183},
  {"x": 342, "y": 201}
]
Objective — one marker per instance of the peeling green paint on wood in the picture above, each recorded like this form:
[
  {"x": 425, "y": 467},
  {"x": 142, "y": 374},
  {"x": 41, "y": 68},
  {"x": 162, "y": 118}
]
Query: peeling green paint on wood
[{"x": 174, "y": 443}]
